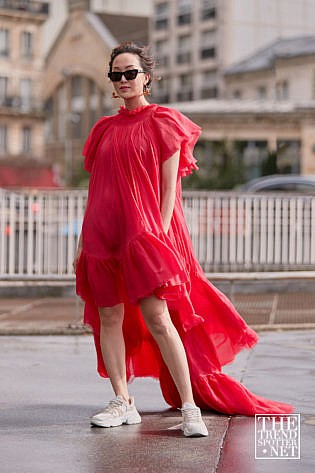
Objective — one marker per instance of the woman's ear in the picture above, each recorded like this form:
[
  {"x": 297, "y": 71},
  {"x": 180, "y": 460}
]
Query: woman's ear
[{"x": 147, "y": 79}]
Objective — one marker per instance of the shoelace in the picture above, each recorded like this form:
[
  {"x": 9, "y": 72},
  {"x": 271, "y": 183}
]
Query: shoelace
[
  {"x": 114, "y": 407},
  {"x": 190, "y": 415}
]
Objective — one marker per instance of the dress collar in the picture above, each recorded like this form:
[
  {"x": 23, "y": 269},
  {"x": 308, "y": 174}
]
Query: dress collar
[{"x": 124, "y": 111}]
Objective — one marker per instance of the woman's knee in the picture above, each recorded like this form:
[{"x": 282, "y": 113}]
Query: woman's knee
[
  {"x": 111, "y": 316},
  {"x": 156, "y": 316}
]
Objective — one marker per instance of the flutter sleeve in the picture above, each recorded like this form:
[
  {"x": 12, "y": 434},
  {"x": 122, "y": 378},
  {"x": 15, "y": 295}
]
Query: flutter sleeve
[
  {"x": 92, "y": 142},
  {"x": 176, "y": 131}
]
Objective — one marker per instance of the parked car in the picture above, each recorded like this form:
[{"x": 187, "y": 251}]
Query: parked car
[{"x": 280, "y": 182}]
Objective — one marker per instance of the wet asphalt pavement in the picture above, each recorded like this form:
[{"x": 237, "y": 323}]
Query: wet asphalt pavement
[{"x": 49, "y": 389}]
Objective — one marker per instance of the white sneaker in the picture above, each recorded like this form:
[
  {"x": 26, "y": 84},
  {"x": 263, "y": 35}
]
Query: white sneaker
[
  {"x": 193, "y": 425},
  {"x": 117, "y": 412}
]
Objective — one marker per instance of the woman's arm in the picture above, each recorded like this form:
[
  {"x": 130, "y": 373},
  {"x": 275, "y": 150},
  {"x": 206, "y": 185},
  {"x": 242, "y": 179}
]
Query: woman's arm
[{"x": 168, "y": 190}]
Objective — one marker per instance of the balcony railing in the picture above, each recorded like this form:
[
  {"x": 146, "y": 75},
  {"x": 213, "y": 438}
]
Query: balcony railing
[
  {"x": 32, "y": 6},
  {"x": 21, "y": 104},
  {"x": 229, "y": 232}
]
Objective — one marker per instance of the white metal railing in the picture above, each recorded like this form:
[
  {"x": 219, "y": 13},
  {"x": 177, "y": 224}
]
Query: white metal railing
[{"x": 229, "y": 231}]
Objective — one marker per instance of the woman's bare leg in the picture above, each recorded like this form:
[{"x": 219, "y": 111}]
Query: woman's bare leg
[
  {"x": 158, "y": 320},
  {"x": 113, "y": 347}
]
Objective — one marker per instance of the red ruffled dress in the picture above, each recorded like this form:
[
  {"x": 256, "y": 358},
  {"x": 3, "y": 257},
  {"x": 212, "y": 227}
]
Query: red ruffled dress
[{"x": 127, "y": 256}]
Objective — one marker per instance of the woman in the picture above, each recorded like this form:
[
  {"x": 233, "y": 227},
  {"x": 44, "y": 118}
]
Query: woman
[{"x": 152, "y": 310}]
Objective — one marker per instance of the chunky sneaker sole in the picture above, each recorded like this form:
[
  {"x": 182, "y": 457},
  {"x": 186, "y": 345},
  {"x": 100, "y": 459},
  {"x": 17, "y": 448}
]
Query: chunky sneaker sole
[
  {"x": 196, "y": 430},
  {"x": 193, "y": 425},
  {"x": 131, "y": 418},
  {"x": 117, "y": 413}
]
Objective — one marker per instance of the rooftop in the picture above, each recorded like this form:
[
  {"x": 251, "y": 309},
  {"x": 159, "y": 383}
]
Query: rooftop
[{"x": 280, "y": 49}]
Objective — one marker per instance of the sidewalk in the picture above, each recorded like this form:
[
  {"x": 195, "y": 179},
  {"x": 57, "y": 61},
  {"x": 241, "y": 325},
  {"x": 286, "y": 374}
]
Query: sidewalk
[
  {"x": 50, "y": 389},
  {"x": 63, "y": 315}
]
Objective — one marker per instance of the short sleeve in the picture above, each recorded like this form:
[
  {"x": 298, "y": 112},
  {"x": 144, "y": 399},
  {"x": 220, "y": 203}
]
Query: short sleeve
[
  {"x": 175, "y": 132},
  {"x": 92, "y": 142}
]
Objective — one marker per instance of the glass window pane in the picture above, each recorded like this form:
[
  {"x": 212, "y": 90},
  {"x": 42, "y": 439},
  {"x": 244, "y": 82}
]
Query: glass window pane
[
  {"x": 4, "y": 42},
  {"x": 3, "y": 139},
  {"x": 27, "y": 45},
  {"x": 76, "y": 86},
  {"x": 27, "y": 139}
]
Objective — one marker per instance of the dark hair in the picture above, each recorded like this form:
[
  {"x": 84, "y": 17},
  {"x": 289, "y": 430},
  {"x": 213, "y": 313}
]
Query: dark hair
[{"x": 146, "y": 60}]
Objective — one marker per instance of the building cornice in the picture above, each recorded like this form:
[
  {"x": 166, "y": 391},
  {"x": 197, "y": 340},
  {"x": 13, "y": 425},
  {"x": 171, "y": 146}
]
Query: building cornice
[{"x": 228, "y": 107}]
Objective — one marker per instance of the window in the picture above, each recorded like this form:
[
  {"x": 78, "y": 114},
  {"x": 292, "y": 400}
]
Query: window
[
  {"x": 161, "y": 16},
  {"x": 185, "y": 87},
  {"x": 92, "y": 87},
  {"x": 209, "y": 88},
  {"x": 161, "y": 24},
  {"x": 184, "y": 12},
  {"x": 76, "y": 86},
  {"x": 184, "y": 95},
  {"x": 184, "y": 45},
  {"x": 253, "y": 155},
  {"x": 282, "y": 90},
  {"x": 27, "y": 139},
  {"x": 76, "y": 123},
  {"x": 26, "y": 93},
  {"x": 184, "y": 42},
  {"x": 237, "y": 94},
  {"x": 208, "y": 10},
  {"x": 49, "y": 107},
  {"x": 3, "y": 139},
  {"x": 209, "y": 77},
  {"x": 261, "y": 92},
  {"x": 209, "y": 93},
  {"x": 184, "y": 19},
  {"x": 161, "y": 48},
  {"x": 3, "y": 90},
  {"x": 27, "y": 45},
  {"x": 4, "y": 42},
  {"x": 208, "y": 41},
  {"x": 185, "y": 80},
  {"x": 184, "y": 5},
  {"x": 207, "y": 53},
  {"x": 161, "y": 9},
  {"x": 289, "y": 156}
]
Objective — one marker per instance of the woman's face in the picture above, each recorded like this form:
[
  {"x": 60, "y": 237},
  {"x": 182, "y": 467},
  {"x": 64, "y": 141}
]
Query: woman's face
[{"x": 128, "y": 89}]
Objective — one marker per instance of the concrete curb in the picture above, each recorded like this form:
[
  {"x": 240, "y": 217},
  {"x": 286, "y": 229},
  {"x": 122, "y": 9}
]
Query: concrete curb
[
  {"x": 33, "y": 331},
  {"x": 85, "y": 330}
]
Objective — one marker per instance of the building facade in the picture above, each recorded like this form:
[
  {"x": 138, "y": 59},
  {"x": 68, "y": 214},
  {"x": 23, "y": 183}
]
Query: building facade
[
  {"x": 283, "y": 71},
  {"x": 77, "y": 90},
  {"x": 118, "y": 9},
  {"x": 246, "y": 138},
  {"x": 195, "y": 41},
  {"x": 21, "y": 93}
]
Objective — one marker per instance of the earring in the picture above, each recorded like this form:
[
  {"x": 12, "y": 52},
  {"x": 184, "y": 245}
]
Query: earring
[
  {"x": 115, "y": 96},
  {"x": 146, "y": 90}
]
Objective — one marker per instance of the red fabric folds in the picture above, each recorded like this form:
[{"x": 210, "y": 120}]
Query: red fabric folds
[{"x": 127, "y": 256}]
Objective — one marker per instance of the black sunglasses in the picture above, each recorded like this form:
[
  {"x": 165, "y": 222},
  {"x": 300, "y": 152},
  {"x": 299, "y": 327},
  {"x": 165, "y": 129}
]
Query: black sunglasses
[{"x": 131, "y": 74}]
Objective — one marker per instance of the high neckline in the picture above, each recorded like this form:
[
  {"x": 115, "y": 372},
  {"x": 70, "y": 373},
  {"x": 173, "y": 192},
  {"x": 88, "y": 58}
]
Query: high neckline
[{"x": 124, "y": 111}]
